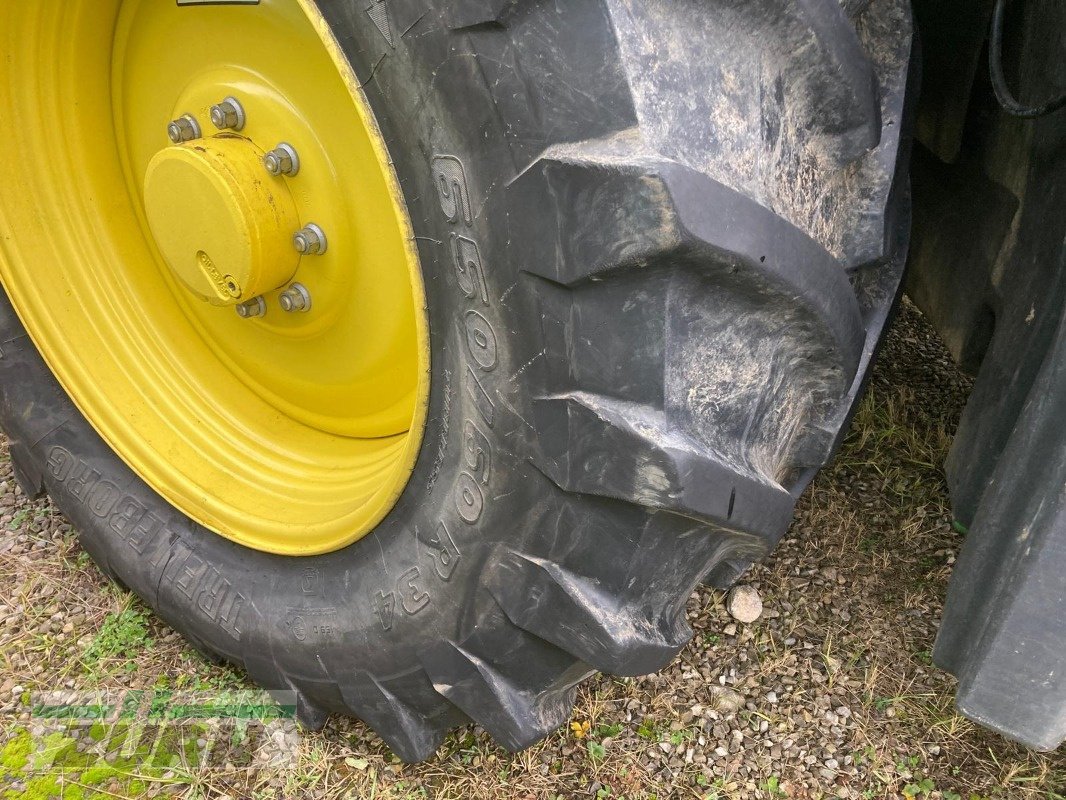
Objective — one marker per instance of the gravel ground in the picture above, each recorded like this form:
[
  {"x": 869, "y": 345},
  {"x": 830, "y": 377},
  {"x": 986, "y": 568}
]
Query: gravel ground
[{"x": 829, "y": 693}]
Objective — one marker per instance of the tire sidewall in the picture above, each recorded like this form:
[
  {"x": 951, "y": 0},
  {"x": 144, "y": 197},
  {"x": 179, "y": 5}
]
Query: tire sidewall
[{"x": 414, "y": 579}]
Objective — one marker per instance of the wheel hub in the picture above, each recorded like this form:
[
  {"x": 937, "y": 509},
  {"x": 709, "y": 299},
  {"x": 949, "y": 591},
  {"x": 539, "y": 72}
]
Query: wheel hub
[
  {"x": 223, "y": 276},
  {"x": 222, "y": 226}
]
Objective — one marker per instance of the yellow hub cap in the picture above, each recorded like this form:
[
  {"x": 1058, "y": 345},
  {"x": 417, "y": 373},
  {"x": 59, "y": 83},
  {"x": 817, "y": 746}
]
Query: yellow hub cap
[
  {"x": 271, "y": 386},
  {"x": 209, "y": 204}
]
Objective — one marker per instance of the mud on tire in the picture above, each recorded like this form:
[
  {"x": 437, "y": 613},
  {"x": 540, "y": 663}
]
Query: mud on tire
[{"x": 660, "y": 242}]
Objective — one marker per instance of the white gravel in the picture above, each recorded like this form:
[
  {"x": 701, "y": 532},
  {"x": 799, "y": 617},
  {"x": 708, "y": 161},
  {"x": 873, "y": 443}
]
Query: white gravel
[{"x": 812, "y": 680}]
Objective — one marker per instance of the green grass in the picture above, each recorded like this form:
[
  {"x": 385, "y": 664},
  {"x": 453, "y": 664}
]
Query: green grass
[{"x": 123, "y": 635}]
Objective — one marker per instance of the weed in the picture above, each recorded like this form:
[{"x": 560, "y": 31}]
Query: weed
[
  {"x": 608, "y": 731},
  {"x": 123, "y": 635},
  {"x": 772, "y": 786},
  {"x": 649, "y": 730},
  {"x": 909, "y": 763},
  {"x": 923, "y": 788},
  {"x": 678, "y": 738}
]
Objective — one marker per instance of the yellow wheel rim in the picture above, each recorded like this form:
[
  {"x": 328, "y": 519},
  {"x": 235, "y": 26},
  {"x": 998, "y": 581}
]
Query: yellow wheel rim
[{"x": 275, "y": 397}]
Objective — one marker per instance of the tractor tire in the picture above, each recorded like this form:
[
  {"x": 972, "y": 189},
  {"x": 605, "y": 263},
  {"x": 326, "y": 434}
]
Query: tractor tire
[{"x": 660, "y": 240}]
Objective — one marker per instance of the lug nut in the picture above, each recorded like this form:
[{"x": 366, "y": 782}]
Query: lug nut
[
  {"x": 228, "y": 115},
  {"x": 184, "y": 129},
  {"x": 295, "y": 298},
  {"x": 256, "y": 307},
  {"x": 282, "y": 160},
  {"x": 310, "y": 241}
]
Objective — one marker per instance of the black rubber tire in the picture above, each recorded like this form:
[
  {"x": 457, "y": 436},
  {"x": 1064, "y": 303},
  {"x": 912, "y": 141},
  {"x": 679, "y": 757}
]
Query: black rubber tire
[{"x": 660, "y": 239}]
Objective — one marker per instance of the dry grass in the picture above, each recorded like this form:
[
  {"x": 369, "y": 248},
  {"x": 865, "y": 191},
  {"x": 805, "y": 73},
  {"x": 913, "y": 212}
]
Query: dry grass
[{"x": 837, "y": 694}]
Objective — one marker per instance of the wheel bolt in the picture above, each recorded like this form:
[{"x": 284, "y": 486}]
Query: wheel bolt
[
  {"x": 184, "y": 129},
  {"x": 310, "y": 241},
  {"x": 295, "y": 298},
  {"x": 228, "y": 115},
  {"x": 282, "y": 160},
  {"x": 256, "y": 307}
]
